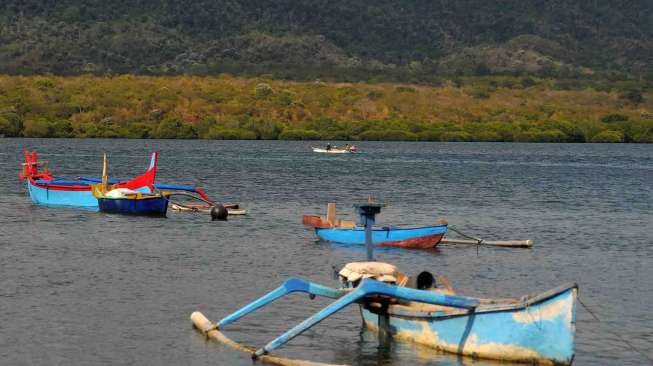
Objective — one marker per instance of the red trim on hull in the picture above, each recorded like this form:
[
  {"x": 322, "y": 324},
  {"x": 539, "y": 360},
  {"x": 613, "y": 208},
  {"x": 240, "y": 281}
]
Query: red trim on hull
[
  {"x": 55, "y": 187},
  {"x": 31, "y": 173},
  {"x": 423, "y": 242}
]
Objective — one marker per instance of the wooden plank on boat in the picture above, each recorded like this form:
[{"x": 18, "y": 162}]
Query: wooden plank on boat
[
  {"x": 201, "y": 323},
  {"x": 496, "y": 243},
  {"x": 331, "y": 213}
]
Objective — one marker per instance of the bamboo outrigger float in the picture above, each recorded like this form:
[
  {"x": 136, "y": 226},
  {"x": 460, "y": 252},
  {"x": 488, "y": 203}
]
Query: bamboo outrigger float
[{"x": 537, "y": 329}]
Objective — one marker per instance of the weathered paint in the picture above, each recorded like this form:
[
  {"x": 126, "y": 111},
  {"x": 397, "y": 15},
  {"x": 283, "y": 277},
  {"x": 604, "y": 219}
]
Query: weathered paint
[
  {"x": 536, "y": 329},
  {"x": 540, "y": 332},
  {"x": 547, "y": 311},
  {"x": 421, "y": 238},
  {"x": 423, "y": 242}
]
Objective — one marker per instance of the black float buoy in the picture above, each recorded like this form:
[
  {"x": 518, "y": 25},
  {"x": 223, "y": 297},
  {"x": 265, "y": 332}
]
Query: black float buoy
[{"x": 218, "y": 212}]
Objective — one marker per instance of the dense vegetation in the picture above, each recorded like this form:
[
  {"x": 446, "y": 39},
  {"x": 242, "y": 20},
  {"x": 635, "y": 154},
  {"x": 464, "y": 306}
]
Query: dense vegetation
[
  {"x": 337, "y": 40},
  {"x": 463, "y": 109}
]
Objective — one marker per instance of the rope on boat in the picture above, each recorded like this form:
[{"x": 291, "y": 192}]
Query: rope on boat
[
  {"x": 211, "y": 331},
  {"x": 191, "y": 196},
  {"x": 190, "y": 208},
  {"x": 478, "y": 240},
  {"x": 626, "y": 342}
]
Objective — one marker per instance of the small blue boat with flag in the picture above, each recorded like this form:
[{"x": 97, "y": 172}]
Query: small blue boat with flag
[
  {"x": 424, "y": 308},
  {"x": 120, "y": 200},
  {"x": 348, "y": 232}
]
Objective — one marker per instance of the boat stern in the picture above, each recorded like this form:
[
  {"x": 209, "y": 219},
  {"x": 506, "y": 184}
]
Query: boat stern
[{"x": 540, "y": 330}]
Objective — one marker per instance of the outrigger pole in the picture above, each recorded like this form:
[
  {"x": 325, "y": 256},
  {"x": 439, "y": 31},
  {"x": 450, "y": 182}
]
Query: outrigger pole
[{"x": 366, "y": 288}]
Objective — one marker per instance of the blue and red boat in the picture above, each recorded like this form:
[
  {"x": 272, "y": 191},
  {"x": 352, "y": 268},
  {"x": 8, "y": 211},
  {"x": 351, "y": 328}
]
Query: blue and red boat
[
  {"x": 46, "y": 189},
  {"x": 121, "y": 200},
  {"x": 347, "y": 232}
]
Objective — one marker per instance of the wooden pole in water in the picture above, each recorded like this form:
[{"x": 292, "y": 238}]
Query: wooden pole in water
[
  {"x": 201, "y": 323},
  {"x": 496, "y": 243}
]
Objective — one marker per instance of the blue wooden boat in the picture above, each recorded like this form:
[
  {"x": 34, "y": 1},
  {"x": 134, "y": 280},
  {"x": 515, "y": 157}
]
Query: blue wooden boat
[
  {"x": 347, "y": 232},
  {"x": 536, "y": 329},
  {"x": 46, "y": 189},
  {"x": 121, "y": 200},
  {"x": 416, "y": 238},
  {"x": 142, "y": 204},
  {"x": 425, "y": 309}
]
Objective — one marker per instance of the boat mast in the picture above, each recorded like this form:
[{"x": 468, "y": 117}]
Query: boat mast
[
  {"x": 104, "y": 174},
  {"x": 367, "y": 212}
]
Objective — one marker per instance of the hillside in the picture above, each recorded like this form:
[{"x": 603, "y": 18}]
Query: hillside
[
  {"x": 225, "y": 107},
  {"x": 383, "y": 40}
]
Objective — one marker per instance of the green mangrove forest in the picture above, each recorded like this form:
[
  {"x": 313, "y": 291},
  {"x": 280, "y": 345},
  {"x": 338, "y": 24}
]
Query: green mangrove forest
[{"x": 475, "y": 108}]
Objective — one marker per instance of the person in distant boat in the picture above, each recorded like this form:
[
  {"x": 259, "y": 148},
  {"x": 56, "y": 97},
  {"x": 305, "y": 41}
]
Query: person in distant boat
[
  {"x": 347, "y": 147},
  {"x": 328, "y": 147}
]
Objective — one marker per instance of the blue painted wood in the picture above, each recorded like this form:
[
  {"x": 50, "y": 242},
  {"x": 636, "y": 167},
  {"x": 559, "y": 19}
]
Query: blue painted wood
[
  {"x": 536, "y": 329},
  {"x": 379, "y": 235},
  {"x": 62, "y": 182},
  {"x": 291, "y": 285},
  {"x": 540, "y": 330},
  {"x": 369, "y": 287},
  {"x": 90, "y": 180},
  {"x": 367, "y": 213},
  {"x": 153, "y": 206},
  {"x": 65, "y": 198}
]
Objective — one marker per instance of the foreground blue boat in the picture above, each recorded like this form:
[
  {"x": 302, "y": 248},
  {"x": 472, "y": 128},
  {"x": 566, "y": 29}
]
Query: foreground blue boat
[{"x": 537, "y": 329}]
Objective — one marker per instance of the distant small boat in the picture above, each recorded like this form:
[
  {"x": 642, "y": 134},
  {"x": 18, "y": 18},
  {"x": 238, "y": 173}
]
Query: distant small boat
[
  {"x": 335, "y": 150},
  {"x": 347, "y": 232}
]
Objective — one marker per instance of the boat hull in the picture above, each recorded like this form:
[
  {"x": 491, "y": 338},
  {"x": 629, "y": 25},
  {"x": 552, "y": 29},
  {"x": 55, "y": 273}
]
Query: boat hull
[
  {"x": 332, "y": 151},
  {"x": 415, "y": 238},
  {"x": 65, "y": 196},
  {"x": 540, "y": 332},
  {"x": 151, "y": 206}
]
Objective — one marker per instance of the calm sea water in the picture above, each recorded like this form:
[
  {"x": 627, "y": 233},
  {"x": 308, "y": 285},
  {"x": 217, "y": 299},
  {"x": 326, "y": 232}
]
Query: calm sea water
[{"x": 85, "y": 288}]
